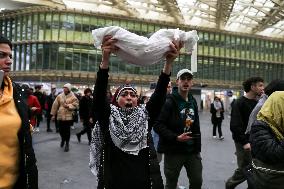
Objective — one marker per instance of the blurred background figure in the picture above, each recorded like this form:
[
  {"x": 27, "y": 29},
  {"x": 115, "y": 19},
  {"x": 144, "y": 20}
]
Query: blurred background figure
[
  {"x": 85, "y": 112},
  {"x": 41, "y": 98},
  {"x": 48, "y": 105},
  {"x": 62, "y": 109},
  {"x": 267, "y": 142},
  {"x": 33, "y": 103},
  {"x": 217, "y": 116},
  {"x": 169, "y": 88}
]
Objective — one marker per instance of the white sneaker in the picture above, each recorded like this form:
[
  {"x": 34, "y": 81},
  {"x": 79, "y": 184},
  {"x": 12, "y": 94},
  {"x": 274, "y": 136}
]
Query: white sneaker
[
  {"x": 221, "y": 138},
  {"x": 214, "y": 137},
  {"x": 181, "y": 187}
]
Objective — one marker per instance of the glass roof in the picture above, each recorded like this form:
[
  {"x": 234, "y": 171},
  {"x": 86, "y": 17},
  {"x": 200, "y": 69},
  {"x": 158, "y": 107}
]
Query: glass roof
[
  {"x": 260, "y": 17},
  {"x": 263, "y": 17}
]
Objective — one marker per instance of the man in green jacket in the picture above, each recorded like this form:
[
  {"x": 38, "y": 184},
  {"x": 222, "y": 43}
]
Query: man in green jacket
[{"x": 179, "y": 130}]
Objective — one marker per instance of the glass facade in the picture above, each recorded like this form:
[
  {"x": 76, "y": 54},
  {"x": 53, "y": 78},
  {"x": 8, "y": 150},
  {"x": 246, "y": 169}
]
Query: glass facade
[{"x": 49, "y": 39}]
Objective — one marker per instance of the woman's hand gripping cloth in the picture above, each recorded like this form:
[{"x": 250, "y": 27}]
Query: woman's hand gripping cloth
[{"x": 140, "y": 50}]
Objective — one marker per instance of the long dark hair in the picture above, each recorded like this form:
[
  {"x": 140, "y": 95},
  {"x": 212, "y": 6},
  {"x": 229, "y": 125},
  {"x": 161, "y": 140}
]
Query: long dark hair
[{"x": 275, "y": 85}]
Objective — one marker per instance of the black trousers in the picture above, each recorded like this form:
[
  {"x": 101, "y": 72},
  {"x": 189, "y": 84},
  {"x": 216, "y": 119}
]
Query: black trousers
[
  {"x": 64, "y": 130},
  {"x": 217, "y": 124},
  {"x": 39, "y": 119},
  {"x": 48, "y": 119},
  {"x": 87, "y": 129}
]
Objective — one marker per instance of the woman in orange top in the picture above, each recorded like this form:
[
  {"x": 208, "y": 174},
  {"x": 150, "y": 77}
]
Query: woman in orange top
[{"x": 17, "y": 158}]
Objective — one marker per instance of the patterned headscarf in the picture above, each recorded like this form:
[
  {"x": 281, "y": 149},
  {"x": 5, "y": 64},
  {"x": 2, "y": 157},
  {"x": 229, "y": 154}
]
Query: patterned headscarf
[
  {"x": 272, "y": 113},
  {"x": 119, "y": 90}
]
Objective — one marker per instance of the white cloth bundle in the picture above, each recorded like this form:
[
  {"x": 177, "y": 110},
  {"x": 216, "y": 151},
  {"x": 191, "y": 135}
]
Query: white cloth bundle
[{"x": 141, "y": 50}]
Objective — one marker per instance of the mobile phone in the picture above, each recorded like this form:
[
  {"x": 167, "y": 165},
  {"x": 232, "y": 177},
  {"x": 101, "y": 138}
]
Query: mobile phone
[
  {"x": 195, "y": 135},
  {"x": 1, "y": 77}
]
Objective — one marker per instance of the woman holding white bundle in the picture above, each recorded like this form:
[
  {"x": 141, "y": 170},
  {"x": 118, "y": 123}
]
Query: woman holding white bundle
[{"x": 122, "y": 150}]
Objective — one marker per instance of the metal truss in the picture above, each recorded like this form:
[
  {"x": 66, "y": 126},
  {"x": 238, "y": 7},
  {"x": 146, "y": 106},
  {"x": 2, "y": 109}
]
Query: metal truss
[{"x": 259, "y": 17}]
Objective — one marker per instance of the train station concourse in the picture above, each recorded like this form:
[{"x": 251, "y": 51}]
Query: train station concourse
[
  {"x": 53, "y": 43},
  {"x": 53, "y": 46}
]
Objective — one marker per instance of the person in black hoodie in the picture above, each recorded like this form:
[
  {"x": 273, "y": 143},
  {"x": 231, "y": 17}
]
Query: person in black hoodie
[
  {"x": 241, "y": 110},
  {"x": 179, "y": 130},
  {"x": 17, "y": 157},
  {"x": 122, "y": 151}
]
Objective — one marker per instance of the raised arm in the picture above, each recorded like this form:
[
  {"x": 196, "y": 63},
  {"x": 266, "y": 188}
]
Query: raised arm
[
  {"x": 101, "y": 106},
  {"x": 158, "y": 98}
]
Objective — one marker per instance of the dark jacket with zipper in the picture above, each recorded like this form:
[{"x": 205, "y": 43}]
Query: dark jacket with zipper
[
  {"x": 28, "y": 173},
  {"x": 170, "y": 125},
  {"x": 119, "y": 169},
  {"x": 267, "y": 153},
  {"x": 265, "y": 146}
]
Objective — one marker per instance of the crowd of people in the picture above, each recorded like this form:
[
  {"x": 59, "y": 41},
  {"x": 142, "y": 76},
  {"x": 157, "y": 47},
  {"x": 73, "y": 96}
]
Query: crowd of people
[{"x": 128, "y": 134}]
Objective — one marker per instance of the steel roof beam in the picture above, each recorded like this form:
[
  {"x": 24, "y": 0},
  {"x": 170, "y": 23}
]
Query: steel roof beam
[
  {"x": 172, "y": 8},
  {"x": 50, "y": 3},
  {"x": 224, "y": 9},
  {"x": 272, "y": 18},
  {"x": 123, "y": 5}
]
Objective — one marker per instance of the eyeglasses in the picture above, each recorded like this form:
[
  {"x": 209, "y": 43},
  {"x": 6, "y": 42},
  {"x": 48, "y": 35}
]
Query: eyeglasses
[
  {"x": 5, "y": 55},
  {"x": 126, "y": 93},
  {"x": 185, "y": 77}
]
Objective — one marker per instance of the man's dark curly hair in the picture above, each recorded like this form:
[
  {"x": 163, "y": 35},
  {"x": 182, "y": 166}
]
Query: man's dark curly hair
[
  {"x": 251, "y": 81},
  {"x": 5, "y": 41}
]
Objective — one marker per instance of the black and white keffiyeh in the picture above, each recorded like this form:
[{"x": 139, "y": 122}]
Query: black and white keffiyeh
[{"x": 128, "y": 129}]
